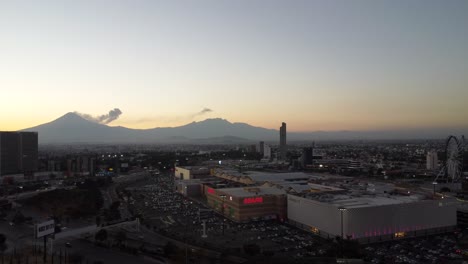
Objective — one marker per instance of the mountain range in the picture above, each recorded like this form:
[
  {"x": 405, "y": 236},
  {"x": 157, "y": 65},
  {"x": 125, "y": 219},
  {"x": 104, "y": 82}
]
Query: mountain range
[{"x": 72, "y": 128}]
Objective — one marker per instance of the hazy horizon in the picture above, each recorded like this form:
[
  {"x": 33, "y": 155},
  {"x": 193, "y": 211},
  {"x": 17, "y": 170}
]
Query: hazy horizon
[
  {"x": 316, "y": 65},
  {"x": 449, "y": 130}
]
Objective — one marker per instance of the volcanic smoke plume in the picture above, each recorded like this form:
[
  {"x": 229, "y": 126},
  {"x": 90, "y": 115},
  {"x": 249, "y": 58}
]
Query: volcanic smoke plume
[
  {"x": 102, "y": 119},
  {"x": 202, "y": 112}
]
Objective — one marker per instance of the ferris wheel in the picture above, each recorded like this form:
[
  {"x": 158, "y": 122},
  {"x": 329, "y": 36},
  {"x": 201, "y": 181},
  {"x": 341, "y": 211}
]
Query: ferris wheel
[
  {"x": 454, "y": 161},
  {"x": 453, "y": 165}
]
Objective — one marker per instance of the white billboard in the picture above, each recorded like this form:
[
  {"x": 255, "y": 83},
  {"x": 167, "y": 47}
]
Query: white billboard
[{"x": 45, "y": 228}]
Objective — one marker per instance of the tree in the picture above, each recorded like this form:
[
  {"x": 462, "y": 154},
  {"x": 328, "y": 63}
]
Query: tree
[
  {"x": 3, "y": 245},
  {"x": 444, "y": 189},
  {"x": 115, "y": 205},
  {"x": 169, "y": 249},
  {"x": 121, "y": 237},
  {"x": 113, "y": 212},
  {"x": 75, "y": 258},
  {"x": 8, "y": 180},
  {"x": 19, "y": 218},
  {"x": 351, "y": 248},
  {"x": 101, "y": 235},
  {"x": 252, "y": 249}
]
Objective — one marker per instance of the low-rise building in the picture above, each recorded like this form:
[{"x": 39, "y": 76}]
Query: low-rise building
[
  {"x": 371, "y": 218},
  {"x": 189, "y": 173},
  {"x": 248, "y": 203}
]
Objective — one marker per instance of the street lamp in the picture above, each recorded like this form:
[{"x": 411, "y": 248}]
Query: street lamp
[
  {"x": 223, "y": 196},
  {"x": 342, "y": 210}
]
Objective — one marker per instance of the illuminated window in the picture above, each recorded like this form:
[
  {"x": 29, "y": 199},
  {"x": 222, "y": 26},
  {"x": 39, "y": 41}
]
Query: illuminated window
[
  {"x": 400, "y": 234},
  {"x": 314, "y": 230}
]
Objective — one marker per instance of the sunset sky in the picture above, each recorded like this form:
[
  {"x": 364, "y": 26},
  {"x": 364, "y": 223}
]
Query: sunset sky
[{"x": 316, "y": 65}]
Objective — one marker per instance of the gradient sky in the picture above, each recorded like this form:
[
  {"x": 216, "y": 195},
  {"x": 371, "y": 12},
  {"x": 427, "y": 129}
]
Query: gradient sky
[{"x": 317, "y": 65}]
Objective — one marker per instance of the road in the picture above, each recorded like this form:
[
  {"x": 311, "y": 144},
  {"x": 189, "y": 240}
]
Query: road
[
  {"x": 92, "y": 253},
  {"x": 24, "y": 195}
]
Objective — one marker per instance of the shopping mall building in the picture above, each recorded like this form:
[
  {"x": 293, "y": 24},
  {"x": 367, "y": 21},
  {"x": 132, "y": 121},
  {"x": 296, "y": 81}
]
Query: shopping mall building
[{"x": 248, "y": 203}]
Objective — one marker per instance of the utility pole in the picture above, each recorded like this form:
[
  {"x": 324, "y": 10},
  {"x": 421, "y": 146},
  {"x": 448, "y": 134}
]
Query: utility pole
[
  {"x": 342, "y": 210},
  {"x": 186, "y": 235}
]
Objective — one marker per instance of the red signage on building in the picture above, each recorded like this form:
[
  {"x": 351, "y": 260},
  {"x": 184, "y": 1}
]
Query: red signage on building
[
  {"x": 253, "y": 200},
  {"x": 211, "y": 190}
]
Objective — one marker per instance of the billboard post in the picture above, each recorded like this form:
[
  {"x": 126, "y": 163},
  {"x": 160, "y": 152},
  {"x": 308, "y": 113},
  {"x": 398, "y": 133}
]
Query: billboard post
[
  {"x": 43, "y": 230},
  {"x": 45, "y": 249}
]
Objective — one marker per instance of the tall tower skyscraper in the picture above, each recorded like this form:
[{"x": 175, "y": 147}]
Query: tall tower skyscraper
[{"x": 282, "y": 146}]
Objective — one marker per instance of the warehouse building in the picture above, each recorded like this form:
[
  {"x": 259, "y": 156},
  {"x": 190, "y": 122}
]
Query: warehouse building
[{"x": 371, "y": 218}]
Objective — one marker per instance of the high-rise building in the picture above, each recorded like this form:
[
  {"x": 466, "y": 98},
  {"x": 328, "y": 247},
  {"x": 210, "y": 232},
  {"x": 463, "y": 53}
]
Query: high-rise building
[
  {"x": 266, "y": 152},
  {"x": 282, "y": 147},
  {"x": 432, "y": 161},
  {"x": 81, "y": 166},
  {"x": 260, "y": 147},
  {"x": 18, "y": 152},
  {"x": 252, "y": 148},
  {"x": 307, "y": 156}
]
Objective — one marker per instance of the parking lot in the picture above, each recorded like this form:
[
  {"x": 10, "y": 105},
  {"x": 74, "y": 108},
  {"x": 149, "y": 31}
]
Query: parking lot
[
  {"x": 172, "y": 214},
  {"x": 433, "y": 249}
]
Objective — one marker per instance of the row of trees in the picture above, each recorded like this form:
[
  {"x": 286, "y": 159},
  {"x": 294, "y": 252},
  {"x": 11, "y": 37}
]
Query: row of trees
[
  {"x": 102, "y": 236},
  {"x": 3, "y": 245}
]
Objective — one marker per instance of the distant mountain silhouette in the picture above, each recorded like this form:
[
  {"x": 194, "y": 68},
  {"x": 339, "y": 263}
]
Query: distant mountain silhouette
[{"x": 72, "y": 128}]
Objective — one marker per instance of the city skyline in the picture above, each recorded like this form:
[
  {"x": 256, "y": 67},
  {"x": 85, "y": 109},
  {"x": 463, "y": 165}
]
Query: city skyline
[{"x": 315, "y": 65}]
